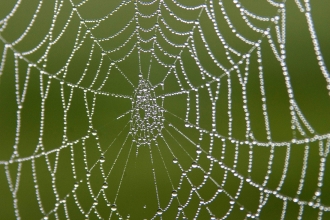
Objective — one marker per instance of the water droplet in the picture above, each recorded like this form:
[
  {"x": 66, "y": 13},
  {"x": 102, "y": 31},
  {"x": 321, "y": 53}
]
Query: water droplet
[
  {"x": 95, "y": 202},
  {"x": 174, "y": 193},
  {"x": 102, "y": 159},
  {"x": 241, "y": 208},
  {"x": 318, "y": 192},
  {"x": 105, "y": 185},
  {"x": 232, "y": 202},
  {"x": 194, "y": 165},
  {"x": 159, "y": 211},
  {"x": 94, "y": 132},
  {"x": 199, "y": 150},
  {"x": 175, "y": 160},
  {"x": 88, "y": 174},
  {"x": 113, "y": 208},
  {"x": 76, "y": 184},
  {"x": 180, "y": 207}
]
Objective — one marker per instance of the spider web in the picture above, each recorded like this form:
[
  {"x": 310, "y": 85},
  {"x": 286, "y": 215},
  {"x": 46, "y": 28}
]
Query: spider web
[{"x": 164, "y": 109}]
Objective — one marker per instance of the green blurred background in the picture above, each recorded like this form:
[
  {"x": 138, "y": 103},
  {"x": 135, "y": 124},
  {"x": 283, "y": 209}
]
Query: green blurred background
[{"x": 134, "y": 191}]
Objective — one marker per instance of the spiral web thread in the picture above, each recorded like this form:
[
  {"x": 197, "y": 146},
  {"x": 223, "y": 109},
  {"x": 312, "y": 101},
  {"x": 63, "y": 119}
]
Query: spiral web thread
[{"x": 154, "y": 127}]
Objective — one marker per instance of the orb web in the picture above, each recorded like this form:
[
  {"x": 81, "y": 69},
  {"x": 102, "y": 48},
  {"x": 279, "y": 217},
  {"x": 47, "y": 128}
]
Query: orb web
[{"x": 225, "y": 102}]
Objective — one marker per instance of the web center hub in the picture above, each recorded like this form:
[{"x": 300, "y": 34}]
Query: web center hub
[{"x": 147, "y": 117}]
